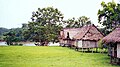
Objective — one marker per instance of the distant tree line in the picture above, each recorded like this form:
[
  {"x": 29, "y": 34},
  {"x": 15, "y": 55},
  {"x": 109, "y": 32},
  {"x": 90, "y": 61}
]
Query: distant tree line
[{"x": 2, "y": 31}]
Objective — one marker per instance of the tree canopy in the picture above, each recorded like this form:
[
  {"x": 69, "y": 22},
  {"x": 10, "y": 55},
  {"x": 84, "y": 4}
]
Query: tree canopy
[
  {"x": 45, "y": 25},
  {"x": 81, "y": 21},
  {"x": 13, "y": 35},
  {"x": 109, "y": 16}
]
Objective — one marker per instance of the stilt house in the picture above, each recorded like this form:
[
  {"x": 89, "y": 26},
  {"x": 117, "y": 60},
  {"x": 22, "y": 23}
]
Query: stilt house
[
  {"x": 88, "y": 36},
  {"x": 85, "y": 37},
  {"x": 113, "y": 42}
]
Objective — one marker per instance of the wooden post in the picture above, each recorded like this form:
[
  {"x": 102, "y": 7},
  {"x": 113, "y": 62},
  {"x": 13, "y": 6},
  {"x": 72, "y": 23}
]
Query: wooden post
[
  {"x": 119, "y": 61},
  {"x": 96, "y": 49},
  {"x": 88, "y": 49},
  {"x": 92, "y": 50},
  {"x": 76, "y": 48},
  {"x": 82, "y": 49},
  {"x": 111, "y": 59}
]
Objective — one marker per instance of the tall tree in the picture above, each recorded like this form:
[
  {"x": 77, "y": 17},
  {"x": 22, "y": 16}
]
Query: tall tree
[
  {"x": 109, "y": 16},
  {"x": 45, "y": 25},
  {"x": 81, "y": 21},
  {"x": 70, "y": 23},
  {"x": 84, "y": 20}
]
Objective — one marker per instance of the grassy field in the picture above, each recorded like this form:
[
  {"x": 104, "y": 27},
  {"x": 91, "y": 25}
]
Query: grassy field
[{"x": 24, "y": 56}]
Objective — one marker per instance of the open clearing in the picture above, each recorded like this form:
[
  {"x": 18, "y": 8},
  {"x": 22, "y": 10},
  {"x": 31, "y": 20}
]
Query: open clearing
[{"x": 35, "y": 56}]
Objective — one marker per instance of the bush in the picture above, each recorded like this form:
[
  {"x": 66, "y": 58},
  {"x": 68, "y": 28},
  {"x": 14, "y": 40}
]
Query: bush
[
  {"x": 20, "y": 44},
  {"x": 100, "y": 43}
]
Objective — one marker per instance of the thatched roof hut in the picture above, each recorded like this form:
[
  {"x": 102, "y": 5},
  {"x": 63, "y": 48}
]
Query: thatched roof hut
[
  {"x": 113, "y": 41},
  {"x": 86, "y": 35}
]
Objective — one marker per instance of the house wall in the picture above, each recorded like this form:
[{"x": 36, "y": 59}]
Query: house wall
[
  {"x": 75, "y": 43},
  {"x": 79, "y": 43},
  {"x": 109, "y": 50},
  {"x": 61, "y": 33},
  {"x": 118, "y": 50},
  {"x": 86, "y": 44},
  {"x": 89, "y": 44},
  {"x": 65, "y": 41},
  {"x": 61, "y": 41},
  {"x": 93, "y": 44},
  {"x": 113, "y": 51}
]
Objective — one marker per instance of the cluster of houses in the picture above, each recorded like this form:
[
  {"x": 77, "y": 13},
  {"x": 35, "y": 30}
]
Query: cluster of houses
[{"x": 87, "y": 37}]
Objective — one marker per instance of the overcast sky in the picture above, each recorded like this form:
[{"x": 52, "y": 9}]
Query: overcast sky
[{"x": 15, "y": 12}]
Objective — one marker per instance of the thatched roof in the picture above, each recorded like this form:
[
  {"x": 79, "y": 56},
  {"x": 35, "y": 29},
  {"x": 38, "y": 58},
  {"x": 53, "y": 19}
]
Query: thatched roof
[
  {"x": 72, "y": 32},
  {"x": 113, "y": 37},
  {"x": 89, "y": 32}
]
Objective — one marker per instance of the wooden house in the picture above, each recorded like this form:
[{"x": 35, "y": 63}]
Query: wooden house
[
  {"x": 113, "y": 41},
  {"x": 88, "y": 36},
  {"x": 84, "y": 37}
]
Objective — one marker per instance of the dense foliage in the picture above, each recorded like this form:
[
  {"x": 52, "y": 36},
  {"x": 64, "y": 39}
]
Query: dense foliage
[
  {"x": 81, "y": 21},
  {"x": 109, "y": 16},
  {"x": 45, "y": 25},
  {"x": 2, "y": 31},
  {"x": 13, "y": 35}
]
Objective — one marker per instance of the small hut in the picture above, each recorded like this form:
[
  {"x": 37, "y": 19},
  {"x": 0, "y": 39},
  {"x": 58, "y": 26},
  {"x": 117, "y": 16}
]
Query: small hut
[
  {"x": 88, "y": 36},
  {"x": 113, "y": 41}
]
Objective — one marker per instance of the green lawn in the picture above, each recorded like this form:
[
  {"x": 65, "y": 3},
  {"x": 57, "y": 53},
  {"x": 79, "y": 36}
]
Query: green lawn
[{"x": 24, "y": 56}]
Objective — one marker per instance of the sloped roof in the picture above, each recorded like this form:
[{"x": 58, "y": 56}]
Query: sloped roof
[
  {"x": 89, "y": 32},
  {"x": 72, "y": 32},
  {"x": 113, "y": 37}
]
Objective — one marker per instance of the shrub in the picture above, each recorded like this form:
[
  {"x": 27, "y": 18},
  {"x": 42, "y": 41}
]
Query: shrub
[
  {"x": 20, "y": 44},
  {"x": 100, "y": 43}
]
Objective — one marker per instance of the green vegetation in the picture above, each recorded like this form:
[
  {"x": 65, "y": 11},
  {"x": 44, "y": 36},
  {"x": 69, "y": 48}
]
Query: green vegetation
[
  {"x": 77, "y": 23},
  {"x": 45, "y": 25},
  {"x": 2, "y": 31},
  {"x": 22, "y": 56},
  {"x": 100, "y": 43},
  {"x": 109, "y": 16},
  {"x": 14, "y": 35}
]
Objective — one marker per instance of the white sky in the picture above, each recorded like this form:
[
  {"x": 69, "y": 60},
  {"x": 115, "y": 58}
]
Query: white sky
[{"x": 15, "y": 12}]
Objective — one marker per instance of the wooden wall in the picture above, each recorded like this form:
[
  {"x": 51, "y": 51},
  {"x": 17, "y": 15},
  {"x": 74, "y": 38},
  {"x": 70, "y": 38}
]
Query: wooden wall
[
  {"x": 79, "y": 44},
  {"x": 118, "y": 50},
  {"x": 89, "y": 44},
  {"x": 86, "y": 44}
]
